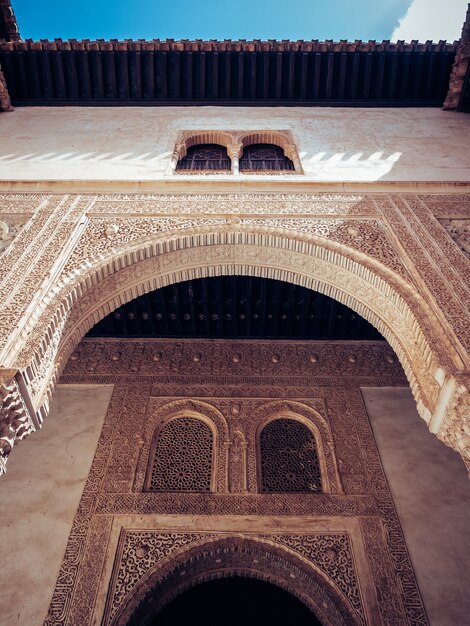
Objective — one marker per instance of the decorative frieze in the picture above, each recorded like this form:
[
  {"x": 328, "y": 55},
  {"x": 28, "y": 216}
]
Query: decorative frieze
[{"x": 318, "y": 204}]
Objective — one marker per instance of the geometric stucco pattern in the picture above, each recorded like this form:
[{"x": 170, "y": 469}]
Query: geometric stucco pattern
[
  {"x": 357, "y": 564},
  {"x": 386, "y": 255}
]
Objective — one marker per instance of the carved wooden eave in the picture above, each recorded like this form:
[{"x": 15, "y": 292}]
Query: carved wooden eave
[
  {"x": 228, "y": 73},
  {"x": 78, "y": 257}
]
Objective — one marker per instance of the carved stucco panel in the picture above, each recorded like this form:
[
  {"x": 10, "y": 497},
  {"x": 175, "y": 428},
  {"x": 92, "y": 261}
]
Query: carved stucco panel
[
  {"x": 235, "y": 203},
  {"x": 336, "y": 280},
  {"x": 32, "y": 263},
  {"x": 412, "y": 233},
  {"x": 330, "y": 552},
  {"x": 142, "y": 552},
  {"x": 407, "y": 218}
]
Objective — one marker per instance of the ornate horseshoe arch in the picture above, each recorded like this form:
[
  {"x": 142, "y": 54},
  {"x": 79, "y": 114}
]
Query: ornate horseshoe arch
[
  {"x": 206, "y": 560},
  {"x": 423, "y": 344}
]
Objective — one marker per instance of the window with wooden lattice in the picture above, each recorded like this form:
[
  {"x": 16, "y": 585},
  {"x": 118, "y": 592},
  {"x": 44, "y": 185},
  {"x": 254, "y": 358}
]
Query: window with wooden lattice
[
  {"x": 183, "y": 456},
  {"x": 288, "y": 458},
  {"x": 265, "y": 157},
  {"x": 205, "y": 158}
]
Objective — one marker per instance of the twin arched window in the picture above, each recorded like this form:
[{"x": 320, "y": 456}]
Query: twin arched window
[
  {"x": 255, "y": 158},
  {"x": 183, "y": 455}
]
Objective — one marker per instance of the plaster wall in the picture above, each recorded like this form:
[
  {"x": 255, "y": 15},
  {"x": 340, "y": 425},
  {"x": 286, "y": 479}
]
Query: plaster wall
[
  {"x": 431, "y": 491},
  {"x": 40, "y": 496},
  {"x": 136, "y": 144}
]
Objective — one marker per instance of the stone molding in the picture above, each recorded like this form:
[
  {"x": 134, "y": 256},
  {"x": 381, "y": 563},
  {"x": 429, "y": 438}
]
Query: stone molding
[{"x": 386, "y": 256}]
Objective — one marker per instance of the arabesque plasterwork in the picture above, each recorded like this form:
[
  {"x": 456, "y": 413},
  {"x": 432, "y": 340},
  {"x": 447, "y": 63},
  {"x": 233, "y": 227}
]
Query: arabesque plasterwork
[
  {"x": 385, "y": 255},
  {"x": 341, "y": 551}
]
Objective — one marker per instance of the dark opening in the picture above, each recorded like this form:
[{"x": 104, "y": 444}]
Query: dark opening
[
  {"x": 235, "y": 307},
  {"x": 235, "y": 601},
  {"x": 264, "y": 156},
  {"x": 205, "y": 157}
]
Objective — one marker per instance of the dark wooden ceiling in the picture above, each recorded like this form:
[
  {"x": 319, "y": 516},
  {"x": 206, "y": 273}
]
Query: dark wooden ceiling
[
  {"x": 227, "y": 73},
  {"x": 235, "y": 307}
]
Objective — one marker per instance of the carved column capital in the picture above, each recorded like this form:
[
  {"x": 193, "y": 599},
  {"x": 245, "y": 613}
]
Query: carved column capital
[{"x": 234, "y": 152}]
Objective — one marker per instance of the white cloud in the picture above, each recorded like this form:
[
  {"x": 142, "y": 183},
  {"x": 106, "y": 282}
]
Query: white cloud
[{"x": 432, "y": 19}]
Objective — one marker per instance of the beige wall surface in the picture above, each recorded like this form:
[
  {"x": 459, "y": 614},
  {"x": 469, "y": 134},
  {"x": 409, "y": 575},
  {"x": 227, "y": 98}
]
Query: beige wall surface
[
  {"x": 40, "y": 494},
  {"x": 136, "y": 143},
  {"x": 431, "y": 491}
]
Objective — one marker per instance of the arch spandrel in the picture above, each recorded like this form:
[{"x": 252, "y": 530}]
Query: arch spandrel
[
  {"x": 206, "y": 558},
  {"x": 425, "y": 348}
]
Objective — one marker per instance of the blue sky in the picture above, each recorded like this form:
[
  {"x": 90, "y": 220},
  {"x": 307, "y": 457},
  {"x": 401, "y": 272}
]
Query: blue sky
[{"x": 227, "y": 19}]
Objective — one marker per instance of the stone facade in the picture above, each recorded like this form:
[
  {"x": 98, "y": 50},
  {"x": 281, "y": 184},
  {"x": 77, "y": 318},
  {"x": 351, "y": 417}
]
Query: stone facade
[
  {"x": 341, "y": 551},
  {"x": 387, "y": 256}
]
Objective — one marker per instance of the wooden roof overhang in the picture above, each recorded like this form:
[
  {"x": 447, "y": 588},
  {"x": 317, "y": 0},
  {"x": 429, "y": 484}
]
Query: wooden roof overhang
[{"x": 230, "y": 73}]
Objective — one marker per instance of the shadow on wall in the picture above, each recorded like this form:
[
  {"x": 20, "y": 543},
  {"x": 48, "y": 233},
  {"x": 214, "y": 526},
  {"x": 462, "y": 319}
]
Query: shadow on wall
[
  {"x": 369, "y": 167},
  {"x": 329, "y": 166}
]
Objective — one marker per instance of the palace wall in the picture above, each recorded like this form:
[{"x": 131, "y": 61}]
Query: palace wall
[
  {"x": 43, "y": 486},
  {"x": 334, "y": 144}
]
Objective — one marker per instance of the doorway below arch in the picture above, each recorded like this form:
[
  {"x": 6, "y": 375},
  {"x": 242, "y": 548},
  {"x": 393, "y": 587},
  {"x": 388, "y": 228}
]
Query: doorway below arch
[{"x": 234, "y": 601}]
